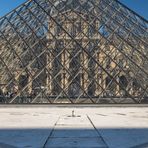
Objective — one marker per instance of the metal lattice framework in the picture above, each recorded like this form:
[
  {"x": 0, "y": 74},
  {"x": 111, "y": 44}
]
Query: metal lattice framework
[{"x": 73, "y": 51}]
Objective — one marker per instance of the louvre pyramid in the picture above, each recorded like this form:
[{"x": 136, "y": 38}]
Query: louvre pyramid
[{"x": 73, "y": 51}]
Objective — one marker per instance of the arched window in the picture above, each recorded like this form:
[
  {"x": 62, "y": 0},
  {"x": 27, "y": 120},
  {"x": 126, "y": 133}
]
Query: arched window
[
  {"x": 108, "y": 82},
  {"x": 135, "y": 84},
  {"x": 110, "y": 86},
  {"x": 91, "y": 89},
  {"x": 23, "y": 80},
  {"x": 123, "y": 82}
]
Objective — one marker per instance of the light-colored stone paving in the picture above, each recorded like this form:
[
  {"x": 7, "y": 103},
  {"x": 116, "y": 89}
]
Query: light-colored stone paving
[
  {"x": 74, "y": 131},
  {"x": 89, "y": 127}
]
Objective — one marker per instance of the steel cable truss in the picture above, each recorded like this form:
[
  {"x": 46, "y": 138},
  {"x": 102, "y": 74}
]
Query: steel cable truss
[{"x": 73, "y": 51}]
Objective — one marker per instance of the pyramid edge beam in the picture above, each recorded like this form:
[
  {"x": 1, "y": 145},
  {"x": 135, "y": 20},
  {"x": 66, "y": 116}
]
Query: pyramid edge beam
[
  {"x": 27, "y": 1},
  {"x": 144, "y": 19}
]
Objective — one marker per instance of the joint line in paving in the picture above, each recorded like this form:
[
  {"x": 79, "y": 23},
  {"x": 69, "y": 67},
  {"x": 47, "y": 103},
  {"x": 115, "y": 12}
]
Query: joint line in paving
[
  {"x": 50, "y": 133},
  {"x": 97, "y": 132}
]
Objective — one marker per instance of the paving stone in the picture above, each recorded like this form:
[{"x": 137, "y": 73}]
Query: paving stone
[
  {"x": 120, "y": 127},
  {"x": 75, "y": 142},
  {"x": 74, "y": 132}
]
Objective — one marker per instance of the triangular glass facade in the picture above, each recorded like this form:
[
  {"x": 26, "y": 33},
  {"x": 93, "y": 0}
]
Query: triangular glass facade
[{"x": 73, "y": 51}]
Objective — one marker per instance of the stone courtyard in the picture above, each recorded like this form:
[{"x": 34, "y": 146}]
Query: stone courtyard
[{"x": 73, "y": 126}]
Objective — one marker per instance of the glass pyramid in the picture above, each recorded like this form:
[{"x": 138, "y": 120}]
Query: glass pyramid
[{"x": 73, "y": 51}]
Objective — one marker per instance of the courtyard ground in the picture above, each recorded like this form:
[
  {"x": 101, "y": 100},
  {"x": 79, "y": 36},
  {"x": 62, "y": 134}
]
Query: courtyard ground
[{"x": 73, "y": 127}]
